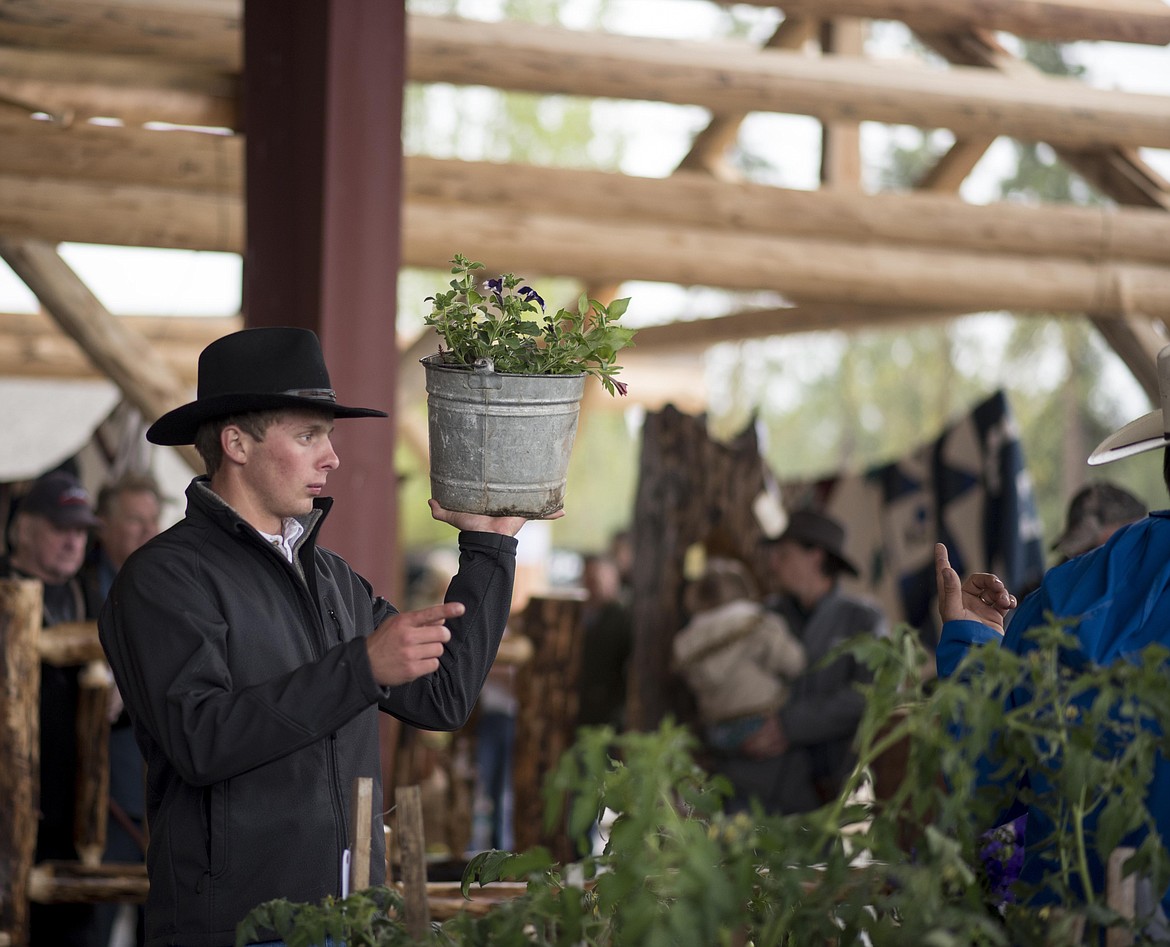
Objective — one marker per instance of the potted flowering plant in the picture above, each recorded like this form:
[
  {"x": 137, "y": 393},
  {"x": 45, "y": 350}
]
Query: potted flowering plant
[
  {"x": 509, "y": 324},
  {"x": 504, "y": 390}
]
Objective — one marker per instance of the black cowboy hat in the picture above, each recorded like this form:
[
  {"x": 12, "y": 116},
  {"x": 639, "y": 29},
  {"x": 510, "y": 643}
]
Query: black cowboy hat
[
  {"x": 810, "y": 528},
  {"x": 256, "y": 370}
]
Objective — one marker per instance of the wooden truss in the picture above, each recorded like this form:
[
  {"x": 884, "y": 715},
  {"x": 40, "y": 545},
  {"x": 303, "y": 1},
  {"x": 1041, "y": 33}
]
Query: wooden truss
[{"x": 841, "y": 257}]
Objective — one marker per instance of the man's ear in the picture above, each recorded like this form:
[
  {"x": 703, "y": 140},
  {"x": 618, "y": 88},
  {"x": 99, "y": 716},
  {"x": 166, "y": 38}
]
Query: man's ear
[{"x": 235, "y": 443}]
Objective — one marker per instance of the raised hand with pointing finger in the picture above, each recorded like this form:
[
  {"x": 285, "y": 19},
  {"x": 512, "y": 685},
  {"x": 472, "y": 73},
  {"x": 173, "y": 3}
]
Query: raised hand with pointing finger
[{"x": 982, "y": 597}]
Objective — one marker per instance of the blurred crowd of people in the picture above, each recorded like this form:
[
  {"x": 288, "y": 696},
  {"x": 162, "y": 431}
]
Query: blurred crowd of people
[
  {"x": 57, "y": 536},
  {"x": 772, "y": 715}
]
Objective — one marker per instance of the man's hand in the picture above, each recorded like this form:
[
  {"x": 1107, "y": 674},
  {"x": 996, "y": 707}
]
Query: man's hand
[
  {"x": 481, "y": 523},
  {"x": 408, "y": 645},
  {"x": 982, "y": 598}
]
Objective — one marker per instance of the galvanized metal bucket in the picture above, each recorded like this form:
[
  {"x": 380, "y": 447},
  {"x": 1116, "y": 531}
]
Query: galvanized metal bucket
[{"x": 500, "y": 443}]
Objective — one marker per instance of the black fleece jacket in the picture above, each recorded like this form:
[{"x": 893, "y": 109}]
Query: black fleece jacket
[{"x": 252, "y": 698}]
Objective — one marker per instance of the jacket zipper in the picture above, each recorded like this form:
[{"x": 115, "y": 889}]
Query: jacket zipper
[
  {"x": 340, "y": 817},
  {"x": 338, "y": 789}
]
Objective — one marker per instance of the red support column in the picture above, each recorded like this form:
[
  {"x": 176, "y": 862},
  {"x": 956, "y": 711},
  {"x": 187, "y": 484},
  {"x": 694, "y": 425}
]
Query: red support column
[{"x": 323, "y": 85}]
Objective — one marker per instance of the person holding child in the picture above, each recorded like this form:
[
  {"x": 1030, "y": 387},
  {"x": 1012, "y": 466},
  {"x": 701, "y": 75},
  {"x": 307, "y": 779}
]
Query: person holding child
[{"x": 737, "y": 657}]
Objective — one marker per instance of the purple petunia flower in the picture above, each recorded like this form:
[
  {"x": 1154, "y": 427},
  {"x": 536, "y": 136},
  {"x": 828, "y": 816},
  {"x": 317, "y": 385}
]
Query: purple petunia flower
[
  {"x": 495, "y": 285},
  {"x": 1002, "y": 856},
  {"x": 529, "y": 294}
]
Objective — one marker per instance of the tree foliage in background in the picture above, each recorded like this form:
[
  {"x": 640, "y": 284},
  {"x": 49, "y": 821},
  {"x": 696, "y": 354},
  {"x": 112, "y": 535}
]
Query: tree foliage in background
[{"x": 825, "y": 402}]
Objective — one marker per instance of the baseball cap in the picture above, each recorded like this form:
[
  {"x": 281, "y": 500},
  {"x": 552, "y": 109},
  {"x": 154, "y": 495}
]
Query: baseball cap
[
  {"x": 1093, "y": 508},
  {"x": 61, "y": 499}
]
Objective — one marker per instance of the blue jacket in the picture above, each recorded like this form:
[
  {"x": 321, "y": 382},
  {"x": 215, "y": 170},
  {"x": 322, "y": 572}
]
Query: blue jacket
[{"x": 1120, "y": 595}]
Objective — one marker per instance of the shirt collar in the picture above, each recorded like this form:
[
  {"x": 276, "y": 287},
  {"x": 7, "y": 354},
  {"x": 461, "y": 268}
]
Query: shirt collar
[{"x": 291, "y": 529}]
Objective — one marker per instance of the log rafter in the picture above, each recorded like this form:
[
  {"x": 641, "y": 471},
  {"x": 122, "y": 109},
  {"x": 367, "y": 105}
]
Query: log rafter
[
  {"x": 72, "y": 208},
  {"x": 1122, "y": 21},
  {"x": 1134, "y": 334},
  {"x": 192, "y": 199},
  {"x": 724, "y": 77},
  {"x": 737, "y": 77},
  {"x": 208, "y": 32}
]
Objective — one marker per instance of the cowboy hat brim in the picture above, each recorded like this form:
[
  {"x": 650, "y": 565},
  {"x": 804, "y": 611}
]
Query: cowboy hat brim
[
  {"x": 1146, "y": 433},
  {"x": 180, "y": 425}
]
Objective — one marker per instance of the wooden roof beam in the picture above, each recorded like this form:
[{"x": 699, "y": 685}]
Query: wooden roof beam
[
  {"x": 69, "y": 210},
  {"x": 207, "y": 32},
  {"x": 1119, "y": 173},
  {"x": 692, "y": 201},
  {"x": 731, "y": 78},
  {"x": 725, "y": 77},
  {"x": 32, "y": 345},
  {"x": 804, "y": 268},
  {"x": 841, "y": 140},
  {"x": 62, "y": 210},
  {"x": 1122, "y": 21},
  {"x": 1137, "y": 342},
  {"x": 808, "y": 268},
  {"x": 79, "y": 86},
  {"x": 125, "y": 358},
  {"x": 171, "y": 159},
  {"x": 204, "y": 32},
  {"x": 709, "y": 148}
]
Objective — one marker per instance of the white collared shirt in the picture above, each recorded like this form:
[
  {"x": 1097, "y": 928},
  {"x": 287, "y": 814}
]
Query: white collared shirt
[{"x": 291, "y": 530}]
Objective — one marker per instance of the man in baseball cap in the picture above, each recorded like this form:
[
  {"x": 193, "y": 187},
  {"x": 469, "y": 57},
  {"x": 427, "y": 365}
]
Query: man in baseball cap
[
  {"x": 50, "y": 528},
  {"x": 1095, "y": 513},
  {"x": 61, "y": 499},
  {"x": 47, "y": 541}
]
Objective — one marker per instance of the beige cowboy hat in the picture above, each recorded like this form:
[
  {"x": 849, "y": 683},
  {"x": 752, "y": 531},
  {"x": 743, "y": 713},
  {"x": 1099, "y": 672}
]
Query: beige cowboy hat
[{"x": 1147, "y": 432}]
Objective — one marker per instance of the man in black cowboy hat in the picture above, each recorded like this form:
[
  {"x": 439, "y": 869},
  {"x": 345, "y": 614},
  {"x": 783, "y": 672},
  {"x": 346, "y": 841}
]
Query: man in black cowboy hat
[
  {"x": 808, "y": 745},
  {"x": 253, "y": 662}
]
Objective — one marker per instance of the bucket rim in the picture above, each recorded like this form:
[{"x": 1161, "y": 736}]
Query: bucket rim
[{"x": 436, "y": 362}]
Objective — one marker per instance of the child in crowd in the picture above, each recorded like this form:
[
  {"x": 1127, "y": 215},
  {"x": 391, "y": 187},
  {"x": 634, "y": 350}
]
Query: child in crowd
[{"x": 734, "y": 654}]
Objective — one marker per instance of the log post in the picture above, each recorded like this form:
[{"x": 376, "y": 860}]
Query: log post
[
  {"x": 93, "y": 763},
  {"x": 360, "y": 825},
  {"x": 70, "y": 642},
  {"x": 20, "y": 626},
  {"x": 414, "y": 866},
  {"x": 546, "y": 691},
  {"x": 66, "y": 882},
  {"x": 691, "y": 489}
]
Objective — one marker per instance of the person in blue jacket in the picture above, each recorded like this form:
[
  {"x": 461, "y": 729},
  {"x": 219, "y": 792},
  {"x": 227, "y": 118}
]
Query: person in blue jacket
[{"x": 1119, "y": 594}]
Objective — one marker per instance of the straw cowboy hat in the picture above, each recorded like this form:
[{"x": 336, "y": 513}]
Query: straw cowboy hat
[
  {"x": 1147, "y": 432},
  {"x": 256, "y": 370}
]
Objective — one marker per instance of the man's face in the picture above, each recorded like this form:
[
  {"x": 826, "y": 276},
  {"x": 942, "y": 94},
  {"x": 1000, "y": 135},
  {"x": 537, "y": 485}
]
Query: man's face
[
  {"x": 287, "y": 470},
  {"x": 51, "y": 553},
  {"x": 131, "y": 520},
  {"x": 796, "y": 567}
]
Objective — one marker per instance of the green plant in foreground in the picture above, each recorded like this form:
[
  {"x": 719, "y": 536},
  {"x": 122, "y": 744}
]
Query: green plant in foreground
[
  {"x": 505, "y": 320},
  {"x": 676, "y": 870}
]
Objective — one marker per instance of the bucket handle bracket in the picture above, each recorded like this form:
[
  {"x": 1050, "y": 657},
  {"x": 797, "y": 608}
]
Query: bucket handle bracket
[{"x": 484, "y": 375}]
